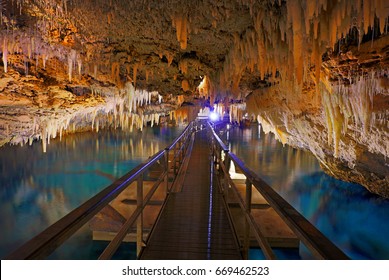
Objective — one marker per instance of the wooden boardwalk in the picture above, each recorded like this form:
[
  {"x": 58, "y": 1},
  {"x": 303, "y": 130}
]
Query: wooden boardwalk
[{"x": 194, "y": 223}]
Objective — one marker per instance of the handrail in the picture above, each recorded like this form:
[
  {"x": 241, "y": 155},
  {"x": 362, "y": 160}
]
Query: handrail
[
  {"x": 219, "y": 141},
  {"x": 183, "y": 134},
  {"x": 52, "y": 237},
  {"x": 315, "y": 241}
]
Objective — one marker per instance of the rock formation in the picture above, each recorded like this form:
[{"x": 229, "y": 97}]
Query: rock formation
[{"x": 314, "y": 73}]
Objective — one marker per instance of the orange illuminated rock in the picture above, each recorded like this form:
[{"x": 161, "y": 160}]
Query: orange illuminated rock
[{"x": 315, "y": 73}]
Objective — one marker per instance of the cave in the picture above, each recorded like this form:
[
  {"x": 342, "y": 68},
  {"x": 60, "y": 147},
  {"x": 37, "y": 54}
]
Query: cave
[{"x": 308, "y": 77}]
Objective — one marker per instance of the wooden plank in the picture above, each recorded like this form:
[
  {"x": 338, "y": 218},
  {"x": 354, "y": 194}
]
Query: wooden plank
[
  {"x": 194, "y": 224},
  {"x": 277, "y": 234},
  {"x": 179, "y": 180},
  {"x": 124, "y": 205},
  {"x": 319, "y": 245},
  {"x": 272, "y": 225}
]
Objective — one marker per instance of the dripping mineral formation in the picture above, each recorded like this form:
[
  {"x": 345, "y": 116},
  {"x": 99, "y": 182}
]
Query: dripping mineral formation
[{"x": 314, "y": 73}]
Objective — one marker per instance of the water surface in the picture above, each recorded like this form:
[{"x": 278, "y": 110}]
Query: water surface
[
  {"x": 37, "y": 189},
  {"x": 350, "y": 216}
]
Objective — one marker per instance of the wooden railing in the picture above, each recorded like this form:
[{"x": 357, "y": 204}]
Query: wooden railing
[
  {"x": 168, "y": 162},
  {"x": 319, "y": 245}
]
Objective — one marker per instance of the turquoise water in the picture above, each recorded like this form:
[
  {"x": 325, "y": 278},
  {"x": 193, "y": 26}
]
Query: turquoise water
[
  {"x": 354, "y": 219},
  {"x": 37, "y": 189}
]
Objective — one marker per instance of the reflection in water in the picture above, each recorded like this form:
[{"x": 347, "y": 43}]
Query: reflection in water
[
  {"x": 353, "y": 218},
  {"x": 37, "y": 189}
]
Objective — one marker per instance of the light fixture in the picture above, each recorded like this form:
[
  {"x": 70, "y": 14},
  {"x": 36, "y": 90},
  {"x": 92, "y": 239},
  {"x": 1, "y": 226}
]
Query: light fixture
[{"x": 214, "y": 116}]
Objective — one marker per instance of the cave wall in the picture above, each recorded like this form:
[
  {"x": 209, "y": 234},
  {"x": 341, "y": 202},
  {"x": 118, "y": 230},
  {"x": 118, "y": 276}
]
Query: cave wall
[{"x": 314, "y": 73}]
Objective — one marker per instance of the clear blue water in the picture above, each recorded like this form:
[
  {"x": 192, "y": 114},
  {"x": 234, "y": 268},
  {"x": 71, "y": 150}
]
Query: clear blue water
[
  {"x": 354, "y": 219},
  {"x": 37, "y": 189}
]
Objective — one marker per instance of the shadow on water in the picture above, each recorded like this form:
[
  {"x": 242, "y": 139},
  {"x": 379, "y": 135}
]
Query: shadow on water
[
  {"x": 37, "y": 189},
  {"x": 354, "y": 219}
]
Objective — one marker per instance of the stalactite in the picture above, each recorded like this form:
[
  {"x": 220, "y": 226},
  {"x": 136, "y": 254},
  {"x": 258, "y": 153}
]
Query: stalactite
[
  {"x": 204, "y": 87},
  {"x": 184, "y": 114},
  {"x": 5, "y": 55},
  {"x": 220, "y": 109},
  {"x": 169, "y": 57},
  {"x": 180, "y": 99},
  {"x": 343, "y": 104},
  {"x": 275, "y": 44},
  {"x": 185, "y": 85},
  {"x": 79, "y": 64},
  {"x": 95, "y": 71},
  {"x": 302, "y": 32},
  {"x": 237, "y": 112},
  {"x": 123, "y": 108},
  {"x": 180, "y": 23},
  {"x": 135, "y": 71},
  {"x": 44, "y": 137},
  {"x": 115, "y": 72},
  {"x": 147, "y": 75},
  {"x": 71, "y": 60},
  {"x": 183, "y": 66}
]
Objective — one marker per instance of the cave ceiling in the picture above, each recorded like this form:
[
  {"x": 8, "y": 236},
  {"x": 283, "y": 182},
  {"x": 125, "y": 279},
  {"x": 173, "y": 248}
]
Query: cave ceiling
[
  {"x": 314, "y": 73},
  {"x": 136, "y": 41},
  {"x": 169, "y": 46}
]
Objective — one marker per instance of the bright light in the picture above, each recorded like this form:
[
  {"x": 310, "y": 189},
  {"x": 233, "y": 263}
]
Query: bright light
[{"x": 214, "y": 116}]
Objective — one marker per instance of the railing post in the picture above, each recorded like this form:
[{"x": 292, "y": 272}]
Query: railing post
[
  {"x": 220, "y": 172},
  {"x": 139, "y": 224},
  {"x": 217, "y": 158},
  {"x": 181, "y": 149},
  {"x": 226, "y": 185},
  {"x": 247, "y": 225},
  {"x": 167, "y": 170},
  {"x": 175, "y": 159}
]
